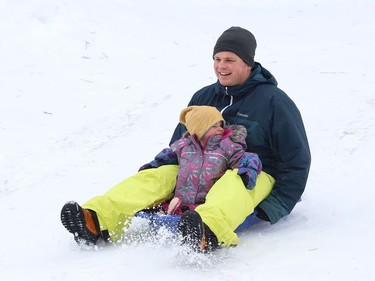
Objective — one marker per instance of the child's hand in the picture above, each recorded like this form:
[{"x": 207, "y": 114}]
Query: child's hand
[
  {"x": 249, "y": 169},
  {"x": 173, "y": 205},
  {"x": 147, "y": 166}
]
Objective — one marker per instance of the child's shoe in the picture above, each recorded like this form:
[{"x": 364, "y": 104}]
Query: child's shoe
[
  {"x": 83, "y": 223},
  {"x": 196, "y": 234}
]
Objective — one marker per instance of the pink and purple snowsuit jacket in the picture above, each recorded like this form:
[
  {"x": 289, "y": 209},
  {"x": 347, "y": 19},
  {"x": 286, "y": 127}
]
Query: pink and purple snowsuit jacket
[{"x": 200, "y": 168}]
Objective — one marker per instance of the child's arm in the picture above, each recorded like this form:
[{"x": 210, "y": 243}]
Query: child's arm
[
  {"x": 165, "y": 157},
  {"x": 248, "y": 164}
]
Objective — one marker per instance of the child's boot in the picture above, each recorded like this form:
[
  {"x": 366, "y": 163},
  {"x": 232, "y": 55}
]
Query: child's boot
[{"x": 196, "y": 234}]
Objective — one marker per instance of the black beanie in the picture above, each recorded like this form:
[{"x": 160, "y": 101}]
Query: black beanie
[{"x": 239, "y": 41}]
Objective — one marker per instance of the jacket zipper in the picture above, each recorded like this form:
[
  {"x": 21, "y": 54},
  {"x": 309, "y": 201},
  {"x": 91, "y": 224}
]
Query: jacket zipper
[{"x": 231, "y": 100}]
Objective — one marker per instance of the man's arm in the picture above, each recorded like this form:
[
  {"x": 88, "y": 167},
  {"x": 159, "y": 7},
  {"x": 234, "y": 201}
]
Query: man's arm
[{"x": 291, "y": 149}]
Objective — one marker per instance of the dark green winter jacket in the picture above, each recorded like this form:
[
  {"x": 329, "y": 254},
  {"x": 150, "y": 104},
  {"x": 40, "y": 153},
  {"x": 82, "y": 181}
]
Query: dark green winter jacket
[{"x": 275, "y": 132}]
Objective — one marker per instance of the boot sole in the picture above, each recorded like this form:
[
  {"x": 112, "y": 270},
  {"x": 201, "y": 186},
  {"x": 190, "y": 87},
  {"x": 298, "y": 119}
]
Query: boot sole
[
  {"x": 192, "y": 231},
  {"x": 73, "y": 220}
]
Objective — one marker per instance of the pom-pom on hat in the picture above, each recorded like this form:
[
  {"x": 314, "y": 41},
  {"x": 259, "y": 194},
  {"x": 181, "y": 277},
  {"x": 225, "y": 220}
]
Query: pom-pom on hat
[
  {"x": 239, "y": 41},
  {"x": 199, "y": 119}
]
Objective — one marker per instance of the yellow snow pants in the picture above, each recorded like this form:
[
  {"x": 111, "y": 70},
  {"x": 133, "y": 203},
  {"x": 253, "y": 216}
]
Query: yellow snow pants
[{"x": 227, "y": 204}]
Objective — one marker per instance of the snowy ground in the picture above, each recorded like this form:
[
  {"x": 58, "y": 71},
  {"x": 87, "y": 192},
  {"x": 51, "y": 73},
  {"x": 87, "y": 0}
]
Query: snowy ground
[{"x": 85, "y": 85}]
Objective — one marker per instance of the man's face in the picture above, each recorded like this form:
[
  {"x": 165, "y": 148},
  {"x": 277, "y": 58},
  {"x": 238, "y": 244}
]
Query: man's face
[{"x": 230, "y": 69}]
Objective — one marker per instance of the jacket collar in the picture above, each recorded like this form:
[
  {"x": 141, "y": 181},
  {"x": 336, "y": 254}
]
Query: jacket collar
[{"x": 259, "y": 75}]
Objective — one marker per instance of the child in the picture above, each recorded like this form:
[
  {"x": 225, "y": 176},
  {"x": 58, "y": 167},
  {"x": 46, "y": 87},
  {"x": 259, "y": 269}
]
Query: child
[{"x": 203, "y": 154}]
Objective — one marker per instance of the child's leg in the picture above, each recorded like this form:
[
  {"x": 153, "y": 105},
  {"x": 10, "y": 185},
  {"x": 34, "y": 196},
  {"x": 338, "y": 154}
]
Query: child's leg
[
  {"x": 145, "y": 189},
  {"x": 229, "y": 203}
]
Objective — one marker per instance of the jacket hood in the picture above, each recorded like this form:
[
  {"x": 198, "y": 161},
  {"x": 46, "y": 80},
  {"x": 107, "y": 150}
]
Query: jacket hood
[
  {"x": 239, "y": 133},
  {"x": 260, "y": 75}
]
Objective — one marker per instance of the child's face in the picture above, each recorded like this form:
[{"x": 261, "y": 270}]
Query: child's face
[{"x": 216, "y": 130}]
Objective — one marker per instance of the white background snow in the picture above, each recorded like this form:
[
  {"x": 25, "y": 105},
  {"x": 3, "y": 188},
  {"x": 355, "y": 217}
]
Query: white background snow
[{"x": 91, "y": 90}]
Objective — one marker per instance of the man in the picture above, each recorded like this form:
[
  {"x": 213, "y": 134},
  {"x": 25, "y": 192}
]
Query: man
[{"x": 246, "y": 94}]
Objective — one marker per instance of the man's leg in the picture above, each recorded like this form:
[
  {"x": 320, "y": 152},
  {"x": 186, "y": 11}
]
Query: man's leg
[
  {"x": 228, "y": 203},
  {"x": 147, "y": 188}
]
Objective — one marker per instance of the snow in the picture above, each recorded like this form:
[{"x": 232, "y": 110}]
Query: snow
[{"x": 91, "y": 90}]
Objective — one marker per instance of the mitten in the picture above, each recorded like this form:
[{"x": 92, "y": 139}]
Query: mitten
[
  {"x": 150, "y": 165},
  {"x": 249, "y": 169},
  {"x": 165, "y": 157}
]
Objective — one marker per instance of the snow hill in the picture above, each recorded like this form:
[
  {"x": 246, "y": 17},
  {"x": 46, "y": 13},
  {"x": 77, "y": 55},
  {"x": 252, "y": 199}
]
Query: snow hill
[{"x": 91, "y": 90}]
